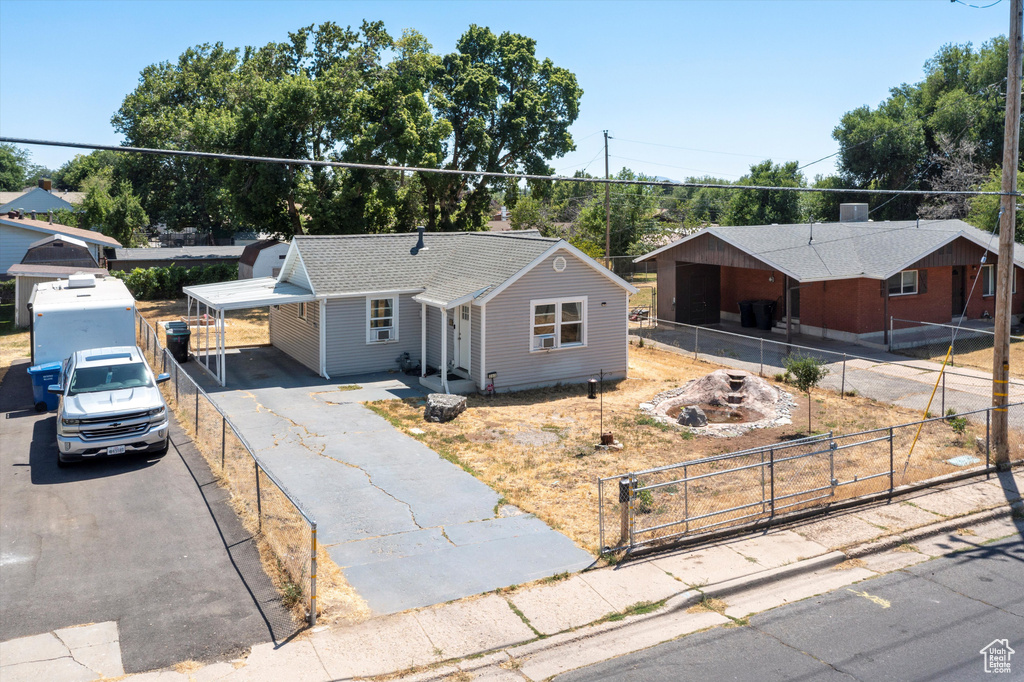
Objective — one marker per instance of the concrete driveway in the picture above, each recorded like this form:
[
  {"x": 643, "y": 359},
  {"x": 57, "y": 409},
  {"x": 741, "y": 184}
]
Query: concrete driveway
[
  {"x": 407, "y": 527},
  {"x": 148, "y": 543}
]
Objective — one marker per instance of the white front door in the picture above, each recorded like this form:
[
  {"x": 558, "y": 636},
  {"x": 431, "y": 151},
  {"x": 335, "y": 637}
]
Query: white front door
[{"x": 463, "y": 331}]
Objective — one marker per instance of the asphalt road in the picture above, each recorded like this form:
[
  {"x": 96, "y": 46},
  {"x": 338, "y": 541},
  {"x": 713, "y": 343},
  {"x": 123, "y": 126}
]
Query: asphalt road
[
  {"x": 139, "y": 541},
  {"x": 927, "y": 622}
]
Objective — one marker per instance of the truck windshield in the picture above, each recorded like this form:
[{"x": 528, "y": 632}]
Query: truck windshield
[{"x": 111, "y": 378}]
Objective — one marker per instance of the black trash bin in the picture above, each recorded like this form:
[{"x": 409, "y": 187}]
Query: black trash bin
[
  {"x": 764, "y": 314},
  {"x": 178, "y": 335},
  {"x": 747, "y": 318}
]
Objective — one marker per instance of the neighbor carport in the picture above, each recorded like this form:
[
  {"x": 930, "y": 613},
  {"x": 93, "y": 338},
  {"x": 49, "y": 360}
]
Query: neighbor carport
[{"x": 238, "y": 295}]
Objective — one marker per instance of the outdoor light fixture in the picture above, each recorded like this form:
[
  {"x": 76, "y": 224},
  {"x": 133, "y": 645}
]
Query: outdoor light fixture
[
  {"x": 771, "y": 277},
  {"x": 592, "y": 389}
]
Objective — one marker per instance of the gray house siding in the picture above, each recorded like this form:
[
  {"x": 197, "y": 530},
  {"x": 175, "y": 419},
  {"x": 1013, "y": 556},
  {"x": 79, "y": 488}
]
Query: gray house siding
[
  {"x": 434, "y": 336},
  {"x": 347, "y": 350},
  {"x": 298, "y": 338},
  {"x": 509, "y": 328}
]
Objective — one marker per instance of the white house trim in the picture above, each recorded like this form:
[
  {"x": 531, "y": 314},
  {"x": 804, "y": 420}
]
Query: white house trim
[
  {"x": 558, "y": 323},
  {"x": 444, "y": 349},
  {"x": 323, "y": 339},
  {"x": 393, "y": 338},
  {"x": 423, "y": 340},
  {"x": 561, "y": 245},
  {"x": 483, "y": 346}
]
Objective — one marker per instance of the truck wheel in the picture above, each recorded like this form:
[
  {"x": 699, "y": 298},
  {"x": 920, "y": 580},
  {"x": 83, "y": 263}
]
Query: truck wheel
[
  {"x": 163, "y": 450},
  {"x": 61, "y": 463},
  {"x": 41, "y": 406}
]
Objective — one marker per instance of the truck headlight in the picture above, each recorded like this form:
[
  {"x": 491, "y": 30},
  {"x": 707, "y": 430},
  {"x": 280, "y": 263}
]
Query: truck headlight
[
  {"x": 70, "y": 422},
  {"x": 158, "y": 412}
]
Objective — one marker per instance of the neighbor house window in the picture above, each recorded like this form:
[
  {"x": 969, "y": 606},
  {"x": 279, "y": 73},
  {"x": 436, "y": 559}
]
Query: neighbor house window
[
  {"x": 988, "y": 280},
  {"x": 903, "y": 283},
  {"x": 558, "y": 324},
  {"x": 381, "y": 320},
  {"x": 302, "y": 311}
]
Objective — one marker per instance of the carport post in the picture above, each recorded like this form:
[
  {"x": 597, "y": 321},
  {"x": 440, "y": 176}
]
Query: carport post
[
  {"x": 223, "y": 434},
  {"x": 842, "y": 389},
  {"x": 197, "y": 412}
]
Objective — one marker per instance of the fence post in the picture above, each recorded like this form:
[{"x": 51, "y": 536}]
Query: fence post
[
  {"x": 891, "y": 468},
  {"x": 943, "y": 392},
  {"x": 600, "y": 515},
  {"x": 832, "y": 464},
  {"x": 223, "y": 438},
  {"x": 890, "y": 333},
  {"x": 624, "y": 494},
  {"x": 763, "y": 500},
  {"x": 696, "y": 341},
  {"x": 312, "y": 575},
  {"x": 988, "y": 437},
  {"x": 771, "y": 476},
  {"x": 686, "y": 497},
  {"x": 761, "y": 371},
  {"x": 197, "y": 412},
  {"x": 259, "y": 503},
  {"x": 842, "y": 388}
]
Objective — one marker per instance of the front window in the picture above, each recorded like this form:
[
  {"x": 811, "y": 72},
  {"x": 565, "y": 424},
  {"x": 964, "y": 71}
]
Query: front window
[
  {"x": 382, "y": 324},
  {"x": 108, "y": 378},
  {"x": 988, "y": 280},
  {"x": 558, "y": 324},
  {"x": 302, "y": 311},
  {"x": 903, "y": 283}
]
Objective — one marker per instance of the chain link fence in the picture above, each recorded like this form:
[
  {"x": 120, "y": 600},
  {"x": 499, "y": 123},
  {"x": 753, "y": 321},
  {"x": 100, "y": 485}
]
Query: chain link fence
[
  {"x": 907, "y": 383},
  {"x": 741, "y": 488},
  {"x": 282, "y": 528},
  {"x": 972, "y": 346}
]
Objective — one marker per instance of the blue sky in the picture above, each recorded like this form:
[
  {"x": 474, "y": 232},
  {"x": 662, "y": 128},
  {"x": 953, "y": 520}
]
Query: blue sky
[{"x": 742, "y": 81}]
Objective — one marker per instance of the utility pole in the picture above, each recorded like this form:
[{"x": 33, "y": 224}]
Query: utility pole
[
  {"x": 1008, "y": 220},
  {"x": 607, "y": 209}
]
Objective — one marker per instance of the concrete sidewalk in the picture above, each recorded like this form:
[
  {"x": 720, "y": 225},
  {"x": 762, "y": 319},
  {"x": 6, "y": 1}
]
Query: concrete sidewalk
[{"x": 539, "y": 630}]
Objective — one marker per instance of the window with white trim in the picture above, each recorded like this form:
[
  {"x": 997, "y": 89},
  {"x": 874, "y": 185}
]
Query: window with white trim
[
  {"x": 302, "y": 311},
  {"x": 558, "y": 323},
  {"x": 988, "y": 280},
  {"x": 903, "y": 283},
  {"x": 381, "y": 320}
]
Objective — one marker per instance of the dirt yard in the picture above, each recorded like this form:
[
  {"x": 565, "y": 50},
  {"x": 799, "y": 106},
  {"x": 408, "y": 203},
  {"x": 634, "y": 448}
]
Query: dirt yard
[
  {"x": 536, "y": 448},
  {"x": 244, "y": 327},
  {"x": 13, "y": 340}
]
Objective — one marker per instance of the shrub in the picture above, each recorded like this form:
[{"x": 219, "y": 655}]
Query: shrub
[
  {"x": 807, "y": 372},
  {"x": 7, "y": 291},
  {"x": 147, "y": 284}
]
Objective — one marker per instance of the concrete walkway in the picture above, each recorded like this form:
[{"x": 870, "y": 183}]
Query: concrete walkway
[
  {"x": 407, "y": 527},
  {"x": 547, "y": 628}
]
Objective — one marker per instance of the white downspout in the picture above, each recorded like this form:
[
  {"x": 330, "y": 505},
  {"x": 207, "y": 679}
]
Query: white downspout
[
  {"x": 323, "y": 338},
  {"x": 483, "y": 346},
  {"x": 423, "y": 340},
  {"x": 444, "y": 349},
  {"x": 222, "y": 343}
]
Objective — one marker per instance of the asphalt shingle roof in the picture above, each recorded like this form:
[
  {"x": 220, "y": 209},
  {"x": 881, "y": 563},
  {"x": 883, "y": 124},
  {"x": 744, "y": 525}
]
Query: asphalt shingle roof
[
  {"x": 178, "y": 253},
  {"x": 843, "y": 250},
  {"x": 453, "y": 265}
]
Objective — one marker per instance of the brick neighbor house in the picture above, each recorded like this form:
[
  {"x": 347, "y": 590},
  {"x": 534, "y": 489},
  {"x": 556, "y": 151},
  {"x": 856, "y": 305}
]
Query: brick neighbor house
[{"x": 844, "y": 280}]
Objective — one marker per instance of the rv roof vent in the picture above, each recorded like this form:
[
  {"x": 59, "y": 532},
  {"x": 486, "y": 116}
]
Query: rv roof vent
[{"x": 80, "y": 281}]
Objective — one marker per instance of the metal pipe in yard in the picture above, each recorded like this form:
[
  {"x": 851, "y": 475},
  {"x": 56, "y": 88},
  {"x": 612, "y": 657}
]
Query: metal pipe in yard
[
  {"x": 842, "y": 390},
  {"x": 312, "y": 575}
]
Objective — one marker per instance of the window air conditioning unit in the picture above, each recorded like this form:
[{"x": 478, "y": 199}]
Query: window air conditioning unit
[
  {"x": 383, "y": 334},
  {"x": 546, "y": 341}
]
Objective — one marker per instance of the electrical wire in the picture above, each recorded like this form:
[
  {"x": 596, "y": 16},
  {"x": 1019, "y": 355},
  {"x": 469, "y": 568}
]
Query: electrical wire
[{"x": 966, "y": 4}]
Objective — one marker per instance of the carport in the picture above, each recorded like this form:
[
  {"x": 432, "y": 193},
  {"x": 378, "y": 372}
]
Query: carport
[{"x": 216, "y": 299}]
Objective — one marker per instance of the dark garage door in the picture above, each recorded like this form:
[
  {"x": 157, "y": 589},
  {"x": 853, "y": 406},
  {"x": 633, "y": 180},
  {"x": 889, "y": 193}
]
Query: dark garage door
[{"x": 698, "y": 293}]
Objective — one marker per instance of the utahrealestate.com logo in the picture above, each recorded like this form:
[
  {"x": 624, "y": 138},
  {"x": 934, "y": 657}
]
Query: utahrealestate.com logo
[{"x": 997, "y": 656}]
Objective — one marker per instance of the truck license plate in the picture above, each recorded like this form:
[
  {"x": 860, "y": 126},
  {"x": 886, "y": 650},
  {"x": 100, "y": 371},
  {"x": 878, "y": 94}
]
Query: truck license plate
[{"x": 115, "y": 450}]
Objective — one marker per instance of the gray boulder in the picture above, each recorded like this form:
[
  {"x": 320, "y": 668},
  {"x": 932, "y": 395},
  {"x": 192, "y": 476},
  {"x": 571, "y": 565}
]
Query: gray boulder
[
  {"x": 691, "y": 415},
  {"x": 443, "y": 407}
]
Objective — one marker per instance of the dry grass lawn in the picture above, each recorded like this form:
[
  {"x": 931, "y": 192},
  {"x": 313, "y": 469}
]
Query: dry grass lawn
[
  {"x": 14, "y": 341},
  {"x": 536, "y": 448},
  {"x": 244, "y": 327}
]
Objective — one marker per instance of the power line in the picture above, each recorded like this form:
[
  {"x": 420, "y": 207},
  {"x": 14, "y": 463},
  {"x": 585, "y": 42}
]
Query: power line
[
  {"x": 966, "y": 4},
  {"x": 480, "y": 174}
]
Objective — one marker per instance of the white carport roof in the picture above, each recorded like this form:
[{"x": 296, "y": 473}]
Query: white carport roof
[
  {"x": 248, "y": 293},
  {"x": 237, "y": 295}
]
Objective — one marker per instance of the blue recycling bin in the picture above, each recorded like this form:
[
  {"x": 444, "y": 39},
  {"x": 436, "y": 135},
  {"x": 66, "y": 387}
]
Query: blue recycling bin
[{"x": 42, "y": 377}]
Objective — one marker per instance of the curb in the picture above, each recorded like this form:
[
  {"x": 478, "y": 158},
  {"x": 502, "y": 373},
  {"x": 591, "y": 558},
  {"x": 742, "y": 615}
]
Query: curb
[{"x": 748, "y": 582}]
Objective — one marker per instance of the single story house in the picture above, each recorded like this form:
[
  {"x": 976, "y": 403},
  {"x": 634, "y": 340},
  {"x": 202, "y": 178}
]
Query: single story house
[
  {"x": 262, "y": 259},
  {"x": 840, "y": 280},
  {"x": 182, "y": 256},
  {"x": 18, "y": 234},
  {"x": 39, "y": 199},
  {"x": 496, "y": 311}
]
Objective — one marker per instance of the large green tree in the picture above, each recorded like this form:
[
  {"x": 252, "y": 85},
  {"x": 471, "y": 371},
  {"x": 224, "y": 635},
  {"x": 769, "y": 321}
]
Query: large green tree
[
  {"x": 72, "y": 175},
  {"x": 764, "y": 207},
  {"x": 13, "y": 164},
  {"x": 507, "y": 111}
]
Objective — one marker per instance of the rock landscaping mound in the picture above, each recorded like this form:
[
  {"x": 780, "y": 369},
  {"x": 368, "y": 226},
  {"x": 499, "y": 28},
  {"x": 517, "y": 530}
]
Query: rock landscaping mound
[{"x": 443, "y": 407}]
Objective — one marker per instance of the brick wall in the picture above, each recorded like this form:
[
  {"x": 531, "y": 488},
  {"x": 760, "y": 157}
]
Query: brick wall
[{"x": 741, "y": 284}]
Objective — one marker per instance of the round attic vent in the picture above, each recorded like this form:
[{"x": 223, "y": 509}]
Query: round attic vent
[{"x": 559, "y": 264}]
